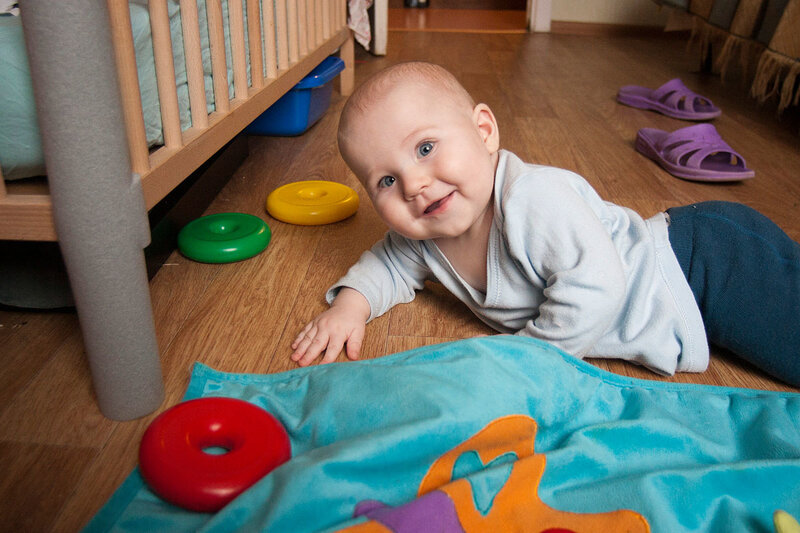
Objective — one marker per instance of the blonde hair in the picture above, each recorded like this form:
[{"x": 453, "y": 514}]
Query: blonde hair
[{"x": 370, "y": 92}]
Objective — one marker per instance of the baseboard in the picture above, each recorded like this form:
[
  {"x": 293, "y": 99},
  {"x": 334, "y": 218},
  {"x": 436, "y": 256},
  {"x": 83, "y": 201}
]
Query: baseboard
[{"x": 609, "y": 30}]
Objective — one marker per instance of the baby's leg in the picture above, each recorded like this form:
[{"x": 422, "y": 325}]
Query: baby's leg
[{"x": 744, "y": 272}]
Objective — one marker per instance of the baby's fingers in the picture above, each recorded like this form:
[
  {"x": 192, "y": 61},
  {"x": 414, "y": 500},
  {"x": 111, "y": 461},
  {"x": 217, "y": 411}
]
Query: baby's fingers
[
  {"x": 308, "y": 345},
  {"x": 300, "y": 336},
  {"x": 335, "y": 345},
  {"x": 354, "y": 344},
  {"x": 311, "y": 348}
]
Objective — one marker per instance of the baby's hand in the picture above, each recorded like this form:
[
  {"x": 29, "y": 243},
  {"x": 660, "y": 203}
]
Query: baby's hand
[{"x": 344, "y": 323}]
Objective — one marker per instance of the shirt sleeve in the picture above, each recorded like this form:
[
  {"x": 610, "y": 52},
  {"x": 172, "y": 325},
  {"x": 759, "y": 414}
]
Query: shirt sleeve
[
  {"x": 555, "y": 227},
  {"x": 388, "y": 274}
]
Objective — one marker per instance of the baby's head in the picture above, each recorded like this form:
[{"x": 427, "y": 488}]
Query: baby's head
[
  {"x": 436, "y": 80},
  {"x": 424, "y": 151}
]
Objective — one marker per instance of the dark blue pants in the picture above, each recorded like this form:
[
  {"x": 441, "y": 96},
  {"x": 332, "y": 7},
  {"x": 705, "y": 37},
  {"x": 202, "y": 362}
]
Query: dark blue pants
[{"x": 744, "y": 272}]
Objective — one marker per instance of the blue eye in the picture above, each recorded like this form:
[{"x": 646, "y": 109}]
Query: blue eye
[
  {"x": 424, "y": 149},
  {"x": 386, "y": 181}
]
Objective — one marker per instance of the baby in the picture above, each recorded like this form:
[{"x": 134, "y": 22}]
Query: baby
[{"x": 533, "y": 250}]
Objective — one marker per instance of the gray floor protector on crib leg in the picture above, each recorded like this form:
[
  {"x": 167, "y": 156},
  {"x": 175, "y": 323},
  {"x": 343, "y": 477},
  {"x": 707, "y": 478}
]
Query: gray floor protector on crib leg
[{"x": 98, "y": 208}]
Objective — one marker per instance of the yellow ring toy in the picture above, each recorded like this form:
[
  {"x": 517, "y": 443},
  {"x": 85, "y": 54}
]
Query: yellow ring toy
[{"x": 310, "y": 203}]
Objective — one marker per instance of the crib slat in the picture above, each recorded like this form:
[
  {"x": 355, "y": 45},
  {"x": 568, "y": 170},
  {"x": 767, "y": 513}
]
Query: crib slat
[
  {"x": 125, "y": 57},
  {"x": 311, "y": 28},
  {"x": 312, "y": 10},
  {"x": 268, "y": 21},
  {"x": 326, "y": 19},
  {"x": 254, "y": 39},
  {"x": 194, "y": 63},
  {"x": 238, "y": 53},
  {"x": 165, "y": 73},
  {"x": 294, "y": 52},
  {"x": 282, "y": 33},
  {"x": 302, "y": 28},
  {"x": 219, "y": 65},
  {"x": 319, "y": 32},
  {"x": 319, "y": 19}
]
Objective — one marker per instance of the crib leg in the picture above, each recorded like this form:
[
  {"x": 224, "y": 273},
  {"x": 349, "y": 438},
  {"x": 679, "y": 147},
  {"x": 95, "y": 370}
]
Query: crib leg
[{"x": 98, "y": 209}]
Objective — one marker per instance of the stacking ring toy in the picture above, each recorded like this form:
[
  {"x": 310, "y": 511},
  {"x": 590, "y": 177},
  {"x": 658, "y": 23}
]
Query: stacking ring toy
[
  {"x": 310, "y": 203},
  {"x": 224, "y": 238},
  {"x": 176, "y": 459}
]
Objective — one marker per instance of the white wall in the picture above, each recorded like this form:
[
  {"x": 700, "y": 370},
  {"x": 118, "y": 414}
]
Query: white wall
[{"x": 632, "y": 12}]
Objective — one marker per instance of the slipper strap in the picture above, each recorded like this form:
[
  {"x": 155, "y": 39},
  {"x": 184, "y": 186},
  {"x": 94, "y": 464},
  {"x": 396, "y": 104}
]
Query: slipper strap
[
  {"x": 701, "y": 140},
  {"x": 672, "y": 92}
]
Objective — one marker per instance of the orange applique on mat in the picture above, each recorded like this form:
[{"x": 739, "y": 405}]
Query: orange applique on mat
[{"x": 515, "y": 507}]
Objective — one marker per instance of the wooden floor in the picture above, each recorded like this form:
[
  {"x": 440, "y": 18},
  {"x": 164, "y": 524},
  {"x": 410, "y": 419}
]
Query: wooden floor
[
  {"x": 518, "y": 5},
  {"x": 457, "y": 20},
  {"x": 554, "y": 98}
]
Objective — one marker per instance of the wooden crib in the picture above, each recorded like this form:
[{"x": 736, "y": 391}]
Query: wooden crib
[
  {"x": 306, "y": 31},
  {"x": 272, "y": 44}
]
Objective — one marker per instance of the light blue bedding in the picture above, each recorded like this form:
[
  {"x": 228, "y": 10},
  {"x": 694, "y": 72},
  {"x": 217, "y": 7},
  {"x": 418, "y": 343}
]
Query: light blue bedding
[
  {"x": 21, "y": 153},
  {"x": 20, "y": 145},
  {"x": 684, "y": 457}
]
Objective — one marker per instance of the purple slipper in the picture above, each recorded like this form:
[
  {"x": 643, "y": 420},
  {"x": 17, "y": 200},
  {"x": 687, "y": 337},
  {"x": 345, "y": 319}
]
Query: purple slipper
[
  {"x": 672, "y": 99},
  {"x": 695, "y": 153}
]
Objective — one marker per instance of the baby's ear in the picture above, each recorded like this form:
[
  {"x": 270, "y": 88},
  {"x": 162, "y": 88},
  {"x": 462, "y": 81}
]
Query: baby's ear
[{"x": 487, "y": 126}]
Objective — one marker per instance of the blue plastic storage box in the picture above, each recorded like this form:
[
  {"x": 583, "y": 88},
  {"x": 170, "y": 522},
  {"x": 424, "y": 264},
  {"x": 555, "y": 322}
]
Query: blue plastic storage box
[{"x": 302, "y": 106}]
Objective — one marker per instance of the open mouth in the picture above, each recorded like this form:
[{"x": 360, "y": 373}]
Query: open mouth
[{"x": 437, "y": 205}]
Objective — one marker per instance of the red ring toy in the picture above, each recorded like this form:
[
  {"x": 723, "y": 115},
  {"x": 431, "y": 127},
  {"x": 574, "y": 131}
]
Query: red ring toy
[{"x": 174, "y": 460}]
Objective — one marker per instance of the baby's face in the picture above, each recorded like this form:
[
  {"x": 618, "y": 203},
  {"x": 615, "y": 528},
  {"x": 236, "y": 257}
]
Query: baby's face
[{"x": 427, "y": 161}]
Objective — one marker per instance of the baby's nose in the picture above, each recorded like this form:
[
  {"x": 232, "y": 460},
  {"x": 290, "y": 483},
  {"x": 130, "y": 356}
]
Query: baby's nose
[{"x": 414, "y": 182}]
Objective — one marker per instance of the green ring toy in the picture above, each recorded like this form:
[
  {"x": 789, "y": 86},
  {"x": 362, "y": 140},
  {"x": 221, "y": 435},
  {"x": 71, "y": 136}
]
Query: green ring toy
[{"x": 224, "y": 238}]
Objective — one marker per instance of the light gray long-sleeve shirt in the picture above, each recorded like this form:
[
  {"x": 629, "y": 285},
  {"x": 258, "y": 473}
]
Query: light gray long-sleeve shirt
[{"x": 564, "y": 266}]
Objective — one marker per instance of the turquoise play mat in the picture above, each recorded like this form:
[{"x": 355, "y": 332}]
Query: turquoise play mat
[{"x": 371, "y": 434}]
